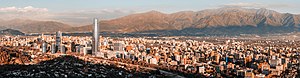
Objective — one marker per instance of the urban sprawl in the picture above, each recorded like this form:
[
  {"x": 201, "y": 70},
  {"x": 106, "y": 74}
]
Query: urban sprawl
[{"x": 175, "y": 56}]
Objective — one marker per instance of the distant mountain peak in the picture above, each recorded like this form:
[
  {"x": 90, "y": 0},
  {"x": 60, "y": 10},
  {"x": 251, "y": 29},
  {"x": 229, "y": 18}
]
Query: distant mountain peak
[
  {"x": 266, "y": 12},
  {"x": 154, "y": 11}
]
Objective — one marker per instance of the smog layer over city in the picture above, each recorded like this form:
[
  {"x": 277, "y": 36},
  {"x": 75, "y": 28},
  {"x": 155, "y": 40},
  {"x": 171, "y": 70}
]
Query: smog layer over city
[{"x": 149, "y": 39}]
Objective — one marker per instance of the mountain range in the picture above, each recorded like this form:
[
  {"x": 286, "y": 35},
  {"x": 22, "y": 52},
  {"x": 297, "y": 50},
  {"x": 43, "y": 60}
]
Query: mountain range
[
  {"x": 33, "y": 26},
  {"x": 210, "y": 21}
]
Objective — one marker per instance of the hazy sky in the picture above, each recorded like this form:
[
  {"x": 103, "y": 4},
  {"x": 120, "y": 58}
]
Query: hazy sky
[{"x": 80, "y": 12}]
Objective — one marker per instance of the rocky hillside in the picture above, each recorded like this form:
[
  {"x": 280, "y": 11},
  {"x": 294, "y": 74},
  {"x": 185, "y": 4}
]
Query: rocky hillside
[{"x": 11, "y": 32}]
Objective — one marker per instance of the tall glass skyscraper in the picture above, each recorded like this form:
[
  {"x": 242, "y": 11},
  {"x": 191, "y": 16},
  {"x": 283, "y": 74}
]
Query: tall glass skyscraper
[{"x": 95, "y": 39}]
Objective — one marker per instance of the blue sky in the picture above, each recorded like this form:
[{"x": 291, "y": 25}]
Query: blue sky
[{"x": 74, "y": 11}]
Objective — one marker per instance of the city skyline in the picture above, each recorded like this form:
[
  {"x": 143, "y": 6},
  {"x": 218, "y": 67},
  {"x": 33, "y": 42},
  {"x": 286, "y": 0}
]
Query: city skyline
[
  {"x": 150, "y": 39},
  {"x": 79, "y": 12}
]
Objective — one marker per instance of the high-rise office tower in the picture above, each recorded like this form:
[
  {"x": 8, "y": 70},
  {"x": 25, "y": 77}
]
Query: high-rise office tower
[
  {"x": 53, "y": 48},
  {"x": 58, "y": 40},
  {"x": 95, "y": 39},
  {"x": 44, "y": 47}
]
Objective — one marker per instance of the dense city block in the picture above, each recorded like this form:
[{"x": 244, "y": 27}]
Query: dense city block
[{"x": 41, "y": 56}]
